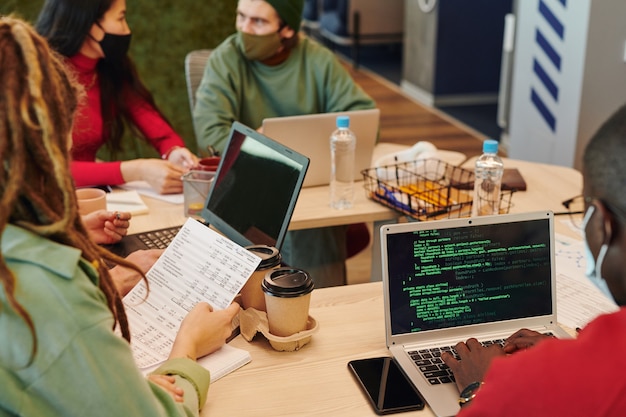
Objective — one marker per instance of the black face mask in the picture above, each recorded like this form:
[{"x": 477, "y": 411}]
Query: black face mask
[{"x": 114, "y": 47}]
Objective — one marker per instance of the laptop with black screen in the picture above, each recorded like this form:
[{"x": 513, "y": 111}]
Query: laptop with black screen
[
  {"x": 252, "y": 196},
  {"x": 446, "y": 281}
]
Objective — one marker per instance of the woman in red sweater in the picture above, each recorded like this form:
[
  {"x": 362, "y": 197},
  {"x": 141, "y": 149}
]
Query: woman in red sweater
[{"x": 95, "y": 37}]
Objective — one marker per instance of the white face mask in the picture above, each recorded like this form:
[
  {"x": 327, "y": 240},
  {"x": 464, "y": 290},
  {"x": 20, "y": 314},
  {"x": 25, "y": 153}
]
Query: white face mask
[{"x": 594, "y": 269}]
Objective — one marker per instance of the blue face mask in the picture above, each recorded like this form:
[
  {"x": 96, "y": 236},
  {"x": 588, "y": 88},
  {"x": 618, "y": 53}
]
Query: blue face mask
[{"x": 594, "y": 269}]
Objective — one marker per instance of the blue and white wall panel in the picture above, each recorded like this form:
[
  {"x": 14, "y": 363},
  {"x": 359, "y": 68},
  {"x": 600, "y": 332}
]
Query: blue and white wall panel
[{"x": 569, "y": 75}]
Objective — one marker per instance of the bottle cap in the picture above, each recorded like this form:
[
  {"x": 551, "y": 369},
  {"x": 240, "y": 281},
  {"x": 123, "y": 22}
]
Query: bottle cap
[
  {"x": 343, "y": 121},
  {"x": 490, "y": 146}
]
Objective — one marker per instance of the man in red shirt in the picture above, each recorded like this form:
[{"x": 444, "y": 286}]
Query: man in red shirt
[{"x": 535, "y": 375}]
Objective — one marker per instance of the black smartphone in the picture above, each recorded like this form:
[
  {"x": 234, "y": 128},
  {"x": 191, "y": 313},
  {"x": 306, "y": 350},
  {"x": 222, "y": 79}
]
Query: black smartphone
[{"x": 386, "y": 385}]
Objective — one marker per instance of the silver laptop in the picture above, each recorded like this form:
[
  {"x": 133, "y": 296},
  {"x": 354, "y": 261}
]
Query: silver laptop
[
  {"x": 446, "y": 281},
  {"x": 310, "y": 136}
]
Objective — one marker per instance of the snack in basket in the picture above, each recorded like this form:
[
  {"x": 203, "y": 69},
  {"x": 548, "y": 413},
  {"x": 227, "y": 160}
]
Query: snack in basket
[
  {"x": 428, "y": 191},
  {"x": 423, "y": 189}
]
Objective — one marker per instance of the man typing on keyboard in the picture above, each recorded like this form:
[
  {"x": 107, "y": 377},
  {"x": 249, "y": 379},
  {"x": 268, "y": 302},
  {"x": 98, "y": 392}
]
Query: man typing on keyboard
[{"x": 537, "y": 375}]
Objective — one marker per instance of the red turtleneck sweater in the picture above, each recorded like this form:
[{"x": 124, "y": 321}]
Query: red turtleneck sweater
[{"x": 87, "y": 134}]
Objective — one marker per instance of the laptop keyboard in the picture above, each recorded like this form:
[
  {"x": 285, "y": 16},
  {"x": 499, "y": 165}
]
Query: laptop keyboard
[
  {"x": 159, "y": 239},
  {"x": 430, "y": 364}
]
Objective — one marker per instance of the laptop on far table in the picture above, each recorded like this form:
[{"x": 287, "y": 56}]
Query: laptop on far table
[
  {"x": 310, "y": 135},
  {"x": 252, "y": 197},
  {"x": 446, "y": 281}
]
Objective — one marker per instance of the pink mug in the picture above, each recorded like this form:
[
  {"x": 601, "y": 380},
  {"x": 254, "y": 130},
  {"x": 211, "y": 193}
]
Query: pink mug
[{"x": 90, "y": 199}]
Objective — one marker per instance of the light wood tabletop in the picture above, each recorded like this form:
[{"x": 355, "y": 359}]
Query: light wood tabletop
[
  {"x": 312, "y": 209},
  {"x": 315, "y": 380}
]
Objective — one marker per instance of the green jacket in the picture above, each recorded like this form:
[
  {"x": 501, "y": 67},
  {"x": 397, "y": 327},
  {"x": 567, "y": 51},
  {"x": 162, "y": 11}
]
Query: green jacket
[
  {"x": 82, "y": 368},
  {"x": 311, "y": 80}
]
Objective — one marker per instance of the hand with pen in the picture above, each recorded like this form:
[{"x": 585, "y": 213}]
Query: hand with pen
[{"x": 106, "y": 227}]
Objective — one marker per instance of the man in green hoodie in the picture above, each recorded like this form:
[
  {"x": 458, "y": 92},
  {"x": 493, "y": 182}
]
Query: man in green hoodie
[{"x": 268, "y": 69}]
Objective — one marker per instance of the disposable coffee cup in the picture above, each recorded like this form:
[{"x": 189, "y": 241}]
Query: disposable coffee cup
[
  {"x": 90, "y": 199},
  {"x": 252, "y": 294},
  {"x": 287, "y": 298}
]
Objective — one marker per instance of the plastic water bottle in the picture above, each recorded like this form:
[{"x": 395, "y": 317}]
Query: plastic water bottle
[
  {"x": 488, "y": 180},
  {"x": 342, "y": 146}
]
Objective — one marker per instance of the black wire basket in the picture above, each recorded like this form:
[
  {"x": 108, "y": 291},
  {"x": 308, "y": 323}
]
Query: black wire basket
[{"x": 426, "y": 189}]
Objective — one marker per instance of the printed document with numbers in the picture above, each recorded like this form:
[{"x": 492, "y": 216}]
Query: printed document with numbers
[{"x": 198, "y": 265}]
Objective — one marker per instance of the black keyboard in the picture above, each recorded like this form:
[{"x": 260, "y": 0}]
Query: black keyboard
[
  {"x": 430, "y": 364},
  {"x": 158, "y": 239}
]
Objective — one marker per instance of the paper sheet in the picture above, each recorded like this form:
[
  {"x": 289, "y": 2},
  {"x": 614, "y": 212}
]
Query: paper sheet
[
  {"x": 199, "y": 265},
  {"x": 578, "y": 300},
  {"x": 144, "y": 188}
]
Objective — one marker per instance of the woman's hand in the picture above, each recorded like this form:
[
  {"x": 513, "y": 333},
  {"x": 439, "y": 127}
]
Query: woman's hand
[
  {"x": 167, "y": 382},
  {"x": 163, "y": 176},
  {"x": 182, "y": 157},
  {"x": 106, "y": 227},
  {"x": 203, "y": 331},
  {"x": 126, "y": 278}
]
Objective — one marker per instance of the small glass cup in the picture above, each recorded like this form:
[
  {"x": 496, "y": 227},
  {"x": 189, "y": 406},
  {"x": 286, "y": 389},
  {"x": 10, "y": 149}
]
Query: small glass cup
[{"x": 196, "y": 186}]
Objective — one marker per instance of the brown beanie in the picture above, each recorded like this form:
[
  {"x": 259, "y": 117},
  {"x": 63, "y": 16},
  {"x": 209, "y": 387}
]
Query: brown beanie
[{"x": 290, "y": 11}]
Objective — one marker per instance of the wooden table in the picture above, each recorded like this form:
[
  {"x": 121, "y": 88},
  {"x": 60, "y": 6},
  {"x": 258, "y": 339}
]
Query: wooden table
[
  {"x": 312, "y": 209},
  {"x": 315, "y": 381}
]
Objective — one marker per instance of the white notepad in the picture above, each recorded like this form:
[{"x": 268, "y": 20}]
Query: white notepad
[
  {"x": 128, "y": 201},
  {"x": 219, "y": 363},
  {"x": 143, "y": 188}
]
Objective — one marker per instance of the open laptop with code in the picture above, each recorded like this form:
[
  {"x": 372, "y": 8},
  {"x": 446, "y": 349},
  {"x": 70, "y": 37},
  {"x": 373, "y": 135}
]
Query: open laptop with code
[
  {"x": 252, "y": 197},
  {"x": 446, "y": 281}
]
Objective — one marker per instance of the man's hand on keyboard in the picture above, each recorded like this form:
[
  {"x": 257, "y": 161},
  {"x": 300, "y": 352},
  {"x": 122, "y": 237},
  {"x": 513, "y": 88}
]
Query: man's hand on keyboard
[
  {"x": 523, "y": 339},
  {"x": 474, "y": 361}
]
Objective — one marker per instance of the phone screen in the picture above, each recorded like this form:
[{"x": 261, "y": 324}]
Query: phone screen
[{"x": 388, "y": 389}]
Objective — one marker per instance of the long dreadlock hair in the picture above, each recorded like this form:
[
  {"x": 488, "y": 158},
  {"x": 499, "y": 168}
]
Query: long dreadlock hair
[{"x": 37, "y": 105}]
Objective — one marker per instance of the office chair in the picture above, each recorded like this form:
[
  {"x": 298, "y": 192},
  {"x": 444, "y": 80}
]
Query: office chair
[{"x": 195, "y": 61}]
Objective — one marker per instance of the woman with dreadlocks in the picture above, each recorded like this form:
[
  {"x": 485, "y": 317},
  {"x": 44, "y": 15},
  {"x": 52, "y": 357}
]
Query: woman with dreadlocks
[{"x": 59, "y": 308}]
